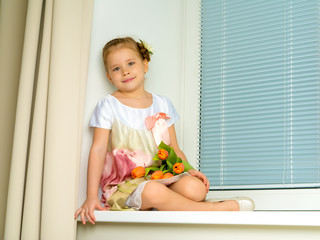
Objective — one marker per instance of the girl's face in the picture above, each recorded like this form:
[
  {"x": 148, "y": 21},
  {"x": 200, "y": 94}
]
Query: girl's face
[{"x": 125, "y": 69}]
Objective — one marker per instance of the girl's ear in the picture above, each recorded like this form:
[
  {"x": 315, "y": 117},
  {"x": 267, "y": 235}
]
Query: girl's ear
[
  {"x": 108, "y": 76},
  {"x": 146, "y": 65}
]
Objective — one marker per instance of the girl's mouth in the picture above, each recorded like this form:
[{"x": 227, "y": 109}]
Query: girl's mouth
[{"x": 128, "y": 80}]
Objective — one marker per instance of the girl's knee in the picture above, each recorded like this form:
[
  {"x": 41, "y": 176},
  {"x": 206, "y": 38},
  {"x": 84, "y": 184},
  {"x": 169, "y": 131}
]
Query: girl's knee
[
  {"x": 154, "y": 192},
  {"x": 193, "y": 188}
]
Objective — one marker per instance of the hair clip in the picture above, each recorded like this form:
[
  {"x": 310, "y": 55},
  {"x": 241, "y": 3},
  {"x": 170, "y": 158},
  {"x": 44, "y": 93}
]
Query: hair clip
[{"x": 147, "y": 46}]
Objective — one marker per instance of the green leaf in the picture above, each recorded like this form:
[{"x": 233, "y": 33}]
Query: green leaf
[
  {"x": 187, "y": 166},
  {"x": 147, "y": 171},
  {"x": 170, "y": 166},
  {"x": 179, "y": 160},
  {"x": 163, "y": 166},
  {"x": 172, "y": 158},
  {"x": 156, "y": 158},
  {"x": 162, "y": 145},
  {"x": 151, "y": 169}
]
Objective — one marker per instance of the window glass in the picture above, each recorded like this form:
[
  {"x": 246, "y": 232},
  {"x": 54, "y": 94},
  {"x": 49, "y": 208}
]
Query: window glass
[{"x": 259, "y": 104}]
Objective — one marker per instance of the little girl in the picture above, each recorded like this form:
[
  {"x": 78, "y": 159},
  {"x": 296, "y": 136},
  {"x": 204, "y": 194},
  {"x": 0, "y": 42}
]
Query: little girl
[{"x": 128, "y": 126}]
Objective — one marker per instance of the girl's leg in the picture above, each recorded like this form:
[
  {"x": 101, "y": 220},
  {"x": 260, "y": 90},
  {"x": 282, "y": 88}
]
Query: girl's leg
[
  {"x": 190, "y": 187},
  {"x": 157, "y": 195}
]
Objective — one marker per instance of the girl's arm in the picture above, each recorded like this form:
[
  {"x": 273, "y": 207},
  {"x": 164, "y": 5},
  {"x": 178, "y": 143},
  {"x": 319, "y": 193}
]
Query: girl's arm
[
  {"x": 97, "y": 156},
  {"x": 174, "y": 144}
]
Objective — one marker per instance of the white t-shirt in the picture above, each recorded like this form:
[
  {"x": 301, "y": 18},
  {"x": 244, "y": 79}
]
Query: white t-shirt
[{"x": 110, "y": 108}]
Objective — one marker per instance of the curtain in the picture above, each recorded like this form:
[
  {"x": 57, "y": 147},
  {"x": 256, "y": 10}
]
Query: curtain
[
  {"x": 43, "y": 177},
  {"x": 259, "y": 121},
  {"x": 11, "y": 41}
]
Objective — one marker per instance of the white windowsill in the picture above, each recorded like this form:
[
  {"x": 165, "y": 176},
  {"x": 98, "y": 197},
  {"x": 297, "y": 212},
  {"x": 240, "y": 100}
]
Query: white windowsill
[{"x": 276, "y": 218}]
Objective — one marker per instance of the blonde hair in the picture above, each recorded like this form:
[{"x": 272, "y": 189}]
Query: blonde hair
[{"x": 126, "y": 42}]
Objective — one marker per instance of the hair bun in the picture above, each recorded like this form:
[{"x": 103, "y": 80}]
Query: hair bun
[{"x": 143, "y": 51}]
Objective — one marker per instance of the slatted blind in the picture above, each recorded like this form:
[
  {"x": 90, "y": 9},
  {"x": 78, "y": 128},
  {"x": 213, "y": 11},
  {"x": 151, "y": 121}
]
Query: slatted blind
[{"x": 260, "y": 93}]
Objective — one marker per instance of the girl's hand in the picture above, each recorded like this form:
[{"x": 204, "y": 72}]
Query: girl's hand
[
  {"x": 87, "y": 208},
  {"x": 201, "y": 176}
]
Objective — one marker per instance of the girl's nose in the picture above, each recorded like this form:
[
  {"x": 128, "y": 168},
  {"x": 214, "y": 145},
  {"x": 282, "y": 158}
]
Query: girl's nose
[{"x": 125, "y": 72}]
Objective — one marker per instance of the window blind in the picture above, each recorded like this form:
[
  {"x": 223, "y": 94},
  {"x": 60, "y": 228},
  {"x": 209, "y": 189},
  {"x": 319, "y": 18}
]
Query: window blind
[{"x": 259, "y": 93}]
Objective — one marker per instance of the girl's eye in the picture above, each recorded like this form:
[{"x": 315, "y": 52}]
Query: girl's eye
[
  {"x": 116, "y": 69},
  {"x": 131, "y": 63}
]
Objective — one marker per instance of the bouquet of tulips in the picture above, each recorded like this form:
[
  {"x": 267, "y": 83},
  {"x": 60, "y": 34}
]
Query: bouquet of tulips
[{"x": 171, "y": 165}]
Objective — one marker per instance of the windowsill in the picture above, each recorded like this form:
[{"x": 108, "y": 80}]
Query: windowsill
[{"x": 269, "y": 218}]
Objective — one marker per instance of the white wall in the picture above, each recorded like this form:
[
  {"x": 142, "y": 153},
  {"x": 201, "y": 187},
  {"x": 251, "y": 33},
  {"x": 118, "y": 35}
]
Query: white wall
[
  {"x": 102, "y": 231},
  {"x": 162, "y": 25}
]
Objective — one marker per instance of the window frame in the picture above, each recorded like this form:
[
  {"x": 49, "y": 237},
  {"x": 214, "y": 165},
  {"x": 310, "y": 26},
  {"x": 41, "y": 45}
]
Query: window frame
[{"x": 265, "y": 199}]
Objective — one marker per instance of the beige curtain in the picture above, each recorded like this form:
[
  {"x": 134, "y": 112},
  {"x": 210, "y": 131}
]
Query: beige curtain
[
  {"x": 11, "y": 42},
  {"x": 43, "y": 176}
]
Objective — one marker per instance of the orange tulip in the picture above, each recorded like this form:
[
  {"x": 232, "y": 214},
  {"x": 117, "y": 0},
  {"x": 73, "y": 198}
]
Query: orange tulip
[
  {"x": 167, "y": 175},
  {"x": 157, "y": 175},
  {"x": 138, "y": 172},
  {"x": 178, "y": 167},
  {"x": 163, "y": 154}
]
